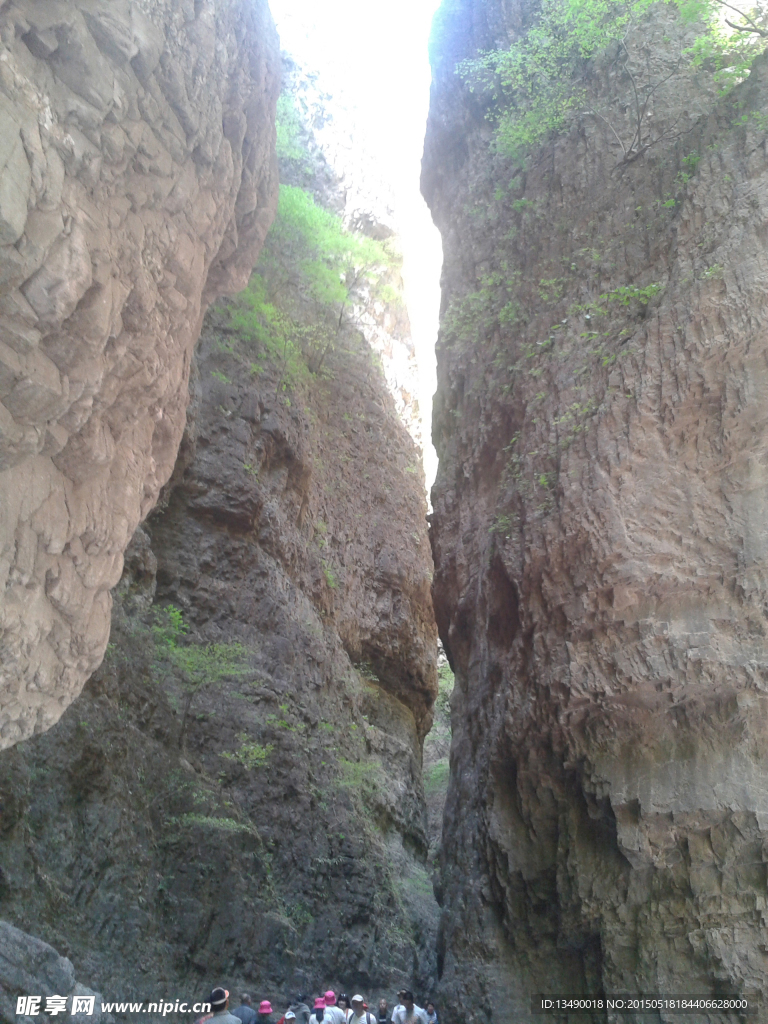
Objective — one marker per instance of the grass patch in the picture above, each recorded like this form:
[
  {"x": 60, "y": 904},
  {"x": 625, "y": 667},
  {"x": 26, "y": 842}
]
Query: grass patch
[
  {"x": 436, "y": 777},
  {"x": 204, "y": 821},
  {"x": 249, "y": 754},
  {"x": 358, "y": 774}
]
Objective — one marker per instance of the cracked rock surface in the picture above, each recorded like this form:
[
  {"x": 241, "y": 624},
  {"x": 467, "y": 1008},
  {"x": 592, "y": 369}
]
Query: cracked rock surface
[
  {"x": 136, "y": 836},
  {"x": 600, "y": 543},
  {"x": 137, "y": 182},
  {"x": 29, "y": 965}
]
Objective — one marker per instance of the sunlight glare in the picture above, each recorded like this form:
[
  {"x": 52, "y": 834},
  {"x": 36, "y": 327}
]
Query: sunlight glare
[{"x": 376, "y": 60}]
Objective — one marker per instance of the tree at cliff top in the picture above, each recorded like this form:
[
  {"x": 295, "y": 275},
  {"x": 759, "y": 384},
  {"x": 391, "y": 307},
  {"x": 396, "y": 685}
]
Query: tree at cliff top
[{"x": 536, "y": 85}]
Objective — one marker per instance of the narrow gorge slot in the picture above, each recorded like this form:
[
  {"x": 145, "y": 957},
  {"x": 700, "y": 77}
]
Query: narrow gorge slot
[{"x": 286, "y": 706}]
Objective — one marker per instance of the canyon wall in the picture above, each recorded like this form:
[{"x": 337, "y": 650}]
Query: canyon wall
[
  {"x": 137, "y": 182},
  {"x": 599, "y": 534},
  {"x": 260, "y": 825},
  {"x": 236, "y": 796}
]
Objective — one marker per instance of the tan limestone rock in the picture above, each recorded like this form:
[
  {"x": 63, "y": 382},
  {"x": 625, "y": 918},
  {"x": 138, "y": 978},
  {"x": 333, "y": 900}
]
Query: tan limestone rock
[{"x": 137, "y": 182}]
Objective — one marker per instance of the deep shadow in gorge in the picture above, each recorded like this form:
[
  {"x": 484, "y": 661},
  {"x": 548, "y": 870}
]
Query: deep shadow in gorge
[{"x": 282, "y": 840}]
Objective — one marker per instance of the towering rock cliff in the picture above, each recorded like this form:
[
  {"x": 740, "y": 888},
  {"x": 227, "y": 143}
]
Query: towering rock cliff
[
  {"x": 236, "y": 796},
  {"x": 599, "y": 531},
  {"x": 137, "y": 182}
]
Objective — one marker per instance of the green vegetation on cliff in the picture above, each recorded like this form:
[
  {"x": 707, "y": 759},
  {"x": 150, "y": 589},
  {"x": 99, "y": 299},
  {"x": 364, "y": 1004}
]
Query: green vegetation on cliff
[
  {"x": 197, "y": 665},
  {"x": 537, "y": 86},
  {"x": 303, "y": 291},
  {"x": 288, "y": 130}
]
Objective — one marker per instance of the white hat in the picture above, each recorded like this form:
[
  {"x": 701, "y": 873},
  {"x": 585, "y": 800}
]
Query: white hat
[
  {"x": 290, "y": 1015},
  {"x": 357, "y": 999}
]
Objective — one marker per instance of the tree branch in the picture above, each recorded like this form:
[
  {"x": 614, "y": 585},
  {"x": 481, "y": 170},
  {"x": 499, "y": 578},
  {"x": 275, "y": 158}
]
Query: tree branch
[
  {"x": 667, "y": 134},
  {"x": 746, "y": 28},
  {"x": 741, "y": 28},
  {"x": 605, "y": 120},
  {"x": 638, "y": 116}
]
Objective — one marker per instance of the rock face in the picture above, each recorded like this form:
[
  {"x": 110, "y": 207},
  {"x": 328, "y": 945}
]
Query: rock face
[
  {"x": 266, "y": 829},
  {"x": 137, "y": 182},
  {"x": 236, "y": 796},
  {"x": 599, "y": 539},
  {"x": 28, "y": 966}
]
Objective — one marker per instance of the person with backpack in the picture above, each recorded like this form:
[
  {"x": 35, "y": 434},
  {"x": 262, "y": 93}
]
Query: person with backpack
[
  {"x": 342, "y": 1002},
  {"x": 383, "y": 1014},
  {"x": 298, "y": 1005},
  {"x": 358, "y": 1014},
  {"x": 431, "y": 1014}
]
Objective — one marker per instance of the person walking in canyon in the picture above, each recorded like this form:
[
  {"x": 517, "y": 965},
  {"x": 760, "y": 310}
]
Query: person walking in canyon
[
  {"x": 431, "y": 1014},
  {"x": 318, "y": 1010},
  {"x": 333, "y": 1015},
  {"x": 358, "y": 1013},
  {"x": 382, "y": 1015},
  {"x": 245, "y": 1011},
  {"x": 265, "y": 1012},
  {"x": 219, "y": 1000},
  {"x": 409, "y": 1013},
  {"x": 398, "y": 1005},
  {"x": 343, "y": 1004},
  {"x": 298, "y": 1005}
]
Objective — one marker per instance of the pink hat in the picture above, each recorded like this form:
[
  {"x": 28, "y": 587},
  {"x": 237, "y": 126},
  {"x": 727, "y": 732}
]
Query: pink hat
[
  {"x": 319, "y": 1003},
  {"x": 330, "y": 998},
  {"x": 265, "y": 1006}
]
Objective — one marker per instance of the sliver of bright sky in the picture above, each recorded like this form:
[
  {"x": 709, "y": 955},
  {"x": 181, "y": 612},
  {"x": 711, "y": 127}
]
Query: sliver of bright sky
[{"x": 375, "y": 57}]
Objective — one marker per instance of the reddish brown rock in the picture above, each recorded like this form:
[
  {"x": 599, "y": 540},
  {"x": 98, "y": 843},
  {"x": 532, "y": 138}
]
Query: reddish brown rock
[
  {"x": 137, "y": 182},
  {"x": 600, "y": 543}
]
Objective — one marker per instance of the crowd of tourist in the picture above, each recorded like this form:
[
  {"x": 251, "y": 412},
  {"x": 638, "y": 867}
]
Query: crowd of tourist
[{"x": 327, "y": 1009}]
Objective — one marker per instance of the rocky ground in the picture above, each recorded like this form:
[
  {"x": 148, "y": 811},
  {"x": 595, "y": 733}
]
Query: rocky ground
[{"x": 29, "y": 966}]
